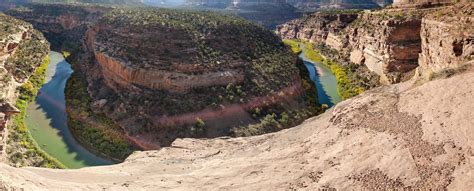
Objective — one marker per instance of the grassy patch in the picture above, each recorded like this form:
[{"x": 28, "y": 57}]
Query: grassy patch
[{"x": 294, "y": 45}]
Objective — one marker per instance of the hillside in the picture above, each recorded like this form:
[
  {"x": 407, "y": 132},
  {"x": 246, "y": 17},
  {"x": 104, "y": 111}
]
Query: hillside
[
  {"x": 64, "y": 25},
  {"x": 23, "y": 58},
  {"x": 162, "y": 74}
]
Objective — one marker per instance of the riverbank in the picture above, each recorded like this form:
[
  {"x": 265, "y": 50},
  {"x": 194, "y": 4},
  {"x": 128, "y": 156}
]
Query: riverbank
[
  {"x": 23, "y": 150},
  {"x": 348, "y": 82}
]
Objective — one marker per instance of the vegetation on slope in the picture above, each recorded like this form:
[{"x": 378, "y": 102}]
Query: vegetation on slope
[
  {"x": 10, "y": 27},
  {"x": 294, "y": 45},
  {"x": 95, "y": 131},
  {"x": 153, "y": 38},
  {"x": 220, "y": 40},
  {"x": 27, "y": 56}
]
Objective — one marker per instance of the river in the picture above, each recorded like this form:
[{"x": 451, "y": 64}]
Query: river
[
  {"x": 324, "y": 80},
  {"x": 47, "y": 120}
]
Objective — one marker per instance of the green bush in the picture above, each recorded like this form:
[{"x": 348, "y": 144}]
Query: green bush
[{"x": 95, "y": 131}]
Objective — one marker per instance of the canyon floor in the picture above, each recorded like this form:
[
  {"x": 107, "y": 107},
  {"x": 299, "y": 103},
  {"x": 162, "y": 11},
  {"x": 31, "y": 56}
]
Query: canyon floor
[{"x": 411, "y": 135}]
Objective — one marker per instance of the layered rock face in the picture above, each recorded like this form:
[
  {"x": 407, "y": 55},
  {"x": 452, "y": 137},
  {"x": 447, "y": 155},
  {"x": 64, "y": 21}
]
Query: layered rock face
[
  {"x": 447, "y": 39},
  {"x": 162, "y": 71},
  {"x": 60, "y": 22},
  {"x": 333, "y": 4},
  {"x": 387, "y": 42},
  {"x": 316, "y": 27},
  {"x": 389, "y": 47},
  {"x": 403, "y": 136},
  {"x": 423, "y": 3}
]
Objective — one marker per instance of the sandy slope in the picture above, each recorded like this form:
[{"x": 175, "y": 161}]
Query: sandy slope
[{"x": 392, "y": 137}]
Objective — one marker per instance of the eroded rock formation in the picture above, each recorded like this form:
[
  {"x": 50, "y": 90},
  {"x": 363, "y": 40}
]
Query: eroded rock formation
[
  {"x": 388, "y": 41},
  {"x": 447, "y": 39}
]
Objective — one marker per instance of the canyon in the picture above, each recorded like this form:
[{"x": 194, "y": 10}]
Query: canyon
[
  {"x": 403, "y": 136},
  {"x": 388, "y": 42},
  {"x": 415, "y": 132},
  {"x": 163, "y": 65}
]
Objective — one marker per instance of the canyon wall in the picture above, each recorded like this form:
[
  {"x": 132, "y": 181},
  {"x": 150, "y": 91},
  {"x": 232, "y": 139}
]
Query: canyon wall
[
  {"x": 423, "y": 3},
  {"x": 447, "y": 39},
  {"x": 60, "y": 23},
  {"x": 315, "y": 28},
  {"x": 22, "y": 50},
  {"x": 125, "y": 74},
  {"x": 386, "y": 41},
  {"x": 180, "y": 79},
  {"x": 387, "y": 46}
]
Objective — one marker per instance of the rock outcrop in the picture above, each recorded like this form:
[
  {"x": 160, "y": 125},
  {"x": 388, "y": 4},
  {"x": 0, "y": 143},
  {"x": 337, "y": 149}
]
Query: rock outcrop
[
  {"x": 387, "y": 46},
  {"x": 447, "y": 39},
  {"x": 404, "y": 136}
]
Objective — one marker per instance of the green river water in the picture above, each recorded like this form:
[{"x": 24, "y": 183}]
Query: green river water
[
  {"x": 47, "y": 120},
  {"x": 324, "y": 80}
]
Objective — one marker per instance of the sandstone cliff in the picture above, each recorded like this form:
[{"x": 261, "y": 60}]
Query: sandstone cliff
[
  {"x": 447, "y": 39},
  {"x": 387, "y": 41}
]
